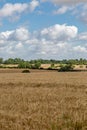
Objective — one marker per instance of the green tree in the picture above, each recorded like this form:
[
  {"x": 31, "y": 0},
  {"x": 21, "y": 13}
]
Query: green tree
[
  {"x": 1, "y": 60},
  {"x": 22, "y": 65},
  {"x": 67, "y": 67},
  {"x": 37, "y": 65}
]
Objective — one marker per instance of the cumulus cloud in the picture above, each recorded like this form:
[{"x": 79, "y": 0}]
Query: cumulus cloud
[
  {"x": 33, "y": 5},
  {"x": 63, "y": 10},
  {"x": 53, "y": 42},
  {"x": 9, "y": 9},
  {"x": 77, "y": 7},
  {"x": 20, "y": 34},
  {"x": 80, "y": 49},
  {"x": 60, "y": 32},
  {"x": 82, "y": 36},
  {"x": 79, "y": 11}
]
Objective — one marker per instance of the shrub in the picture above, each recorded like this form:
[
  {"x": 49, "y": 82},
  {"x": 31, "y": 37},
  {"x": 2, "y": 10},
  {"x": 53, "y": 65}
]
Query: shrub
[
  {"x": 49, "y": 68},
  {"x": 81, "y": 66},
  {"x": 37, "y": 65},
  {"x": 24, "y": 65},
  {"x": 25, "y": 71},
  {"x": 67, "y": 67},
  {"x": 41, "y": 68},
  {"x": 1, "y": 66}
]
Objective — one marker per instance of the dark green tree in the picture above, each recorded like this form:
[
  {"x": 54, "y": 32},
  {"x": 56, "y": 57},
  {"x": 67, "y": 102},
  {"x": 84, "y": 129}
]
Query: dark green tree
[
  {"x": 37, "y": 65},
  {"x": 1, "y": 60},
  {"x": 67, "y": 67}
]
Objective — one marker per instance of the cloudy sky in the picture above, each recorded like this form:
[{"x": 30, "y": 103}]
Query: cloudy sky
[{"x": 48, "y": 29}]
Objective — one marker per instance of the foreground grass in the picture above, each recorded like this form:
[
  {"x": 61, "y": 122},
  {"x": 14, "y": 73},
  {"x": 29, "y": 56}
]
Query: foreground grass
[{"x": 50, "y": 105}]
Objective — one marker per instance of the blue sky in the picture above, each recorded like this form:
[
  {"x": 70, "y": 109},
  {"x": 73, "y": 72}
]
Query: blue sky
[{"x": 48, "y": 29}]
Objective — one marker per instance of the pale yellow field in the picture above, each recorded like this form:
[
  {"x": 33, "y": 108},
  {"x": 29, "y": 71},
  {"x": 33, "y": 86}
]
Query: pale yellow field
[
  {"x": 43, "y": 100},
  {"x": 46, "y": 66}
]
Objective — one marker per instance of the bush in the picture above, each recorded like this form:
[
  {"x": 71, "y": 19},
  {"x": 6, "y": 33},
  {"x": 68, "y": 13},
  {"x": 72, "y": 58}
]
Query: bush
[
  {"x": 25, "y": 71},
  {"x": 81, "y": 66},
  {"x": 67, "y": 67},
  {"x": 1, "y": 66},
  {"x": 24, "y": 65},
  {"x": 37, "y": 65},
  {"x": 49, "y": 68},
  {"x": 41, "y": 68}
]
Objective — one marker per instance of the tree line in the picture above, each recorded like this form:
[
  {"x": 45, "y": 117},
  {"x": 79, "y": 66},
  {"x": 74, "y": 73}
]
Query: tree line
[
  {"x": 36, "y": 64},
  {"x": 44, "y": 61}
]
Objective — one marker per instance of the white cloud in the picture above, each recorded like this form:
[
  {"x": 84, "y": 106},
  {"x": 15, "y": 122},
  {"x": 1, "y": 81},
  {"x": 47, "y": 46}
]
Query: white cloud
[
  {"x": 60, "y": 32},
  {"x": 76, "y": 7},
  {"x": 82, "y": 36},
  {"x": 5, "y": 35},
  {"x": 20, "y": 34},
  {"x": 79, "y": 11},
  {"x": 19, "y": 45},
  {"x": 33, "y": 5},
  {"x": 63, "y": 9},
  {"x": 80, "y": 49},
  {"x": 52, "y": 42},
  {"x": 10, "y": 10}
]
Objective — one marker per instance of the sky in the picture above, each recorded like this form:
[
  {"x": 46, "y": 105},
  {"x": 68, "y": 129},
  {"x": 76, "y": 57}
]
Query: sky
[{"x": 43, "y": 29}]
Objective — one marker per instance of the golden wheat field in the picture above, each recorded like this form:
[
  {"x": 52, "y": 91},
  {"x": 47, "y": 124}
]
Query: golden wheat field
[{"x": 43, "y": 100}]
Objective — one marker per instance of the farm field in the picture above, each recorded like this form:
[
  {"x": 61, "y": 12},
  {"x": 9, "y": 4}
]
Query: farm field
[
  {"x": 45, "y": 66},
  {"x": 43, "y": 100}
]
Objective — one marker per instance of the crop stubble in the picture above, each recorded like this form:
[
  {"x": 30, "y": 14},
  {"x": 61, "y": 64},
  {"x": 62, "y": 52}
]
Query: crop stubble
[{"x": 43, "y": 100}]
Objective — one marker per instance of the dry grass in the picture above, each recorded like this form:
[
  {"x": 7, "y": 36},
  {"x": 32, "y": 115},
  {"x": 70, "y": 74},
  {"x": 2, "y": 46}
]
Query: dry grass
[{"x": 43, "y": 100}]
